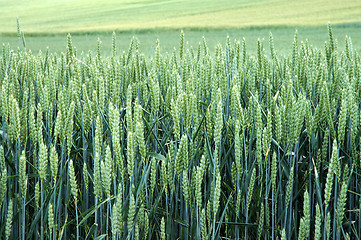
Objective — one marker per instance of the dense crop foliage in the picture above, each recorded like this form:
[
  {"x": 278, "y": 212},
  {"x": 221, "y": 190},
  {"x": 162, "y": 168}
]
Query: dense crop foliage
[{"x": 188, "y": 145}]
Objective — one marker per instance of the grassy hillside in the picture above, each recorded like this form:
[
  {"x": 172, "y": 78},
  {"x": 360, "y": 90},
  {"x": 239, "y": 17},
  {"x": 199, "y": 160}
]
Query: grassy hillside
[
  {"x": 46, "y": 23},
  {"x": 49, "y": 16}
]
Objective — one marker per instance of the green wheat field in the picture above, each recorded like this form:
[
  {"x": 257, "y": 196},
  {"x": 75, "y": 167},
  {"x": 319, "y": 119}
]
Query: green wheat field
[{"x": 180, "y": 119}]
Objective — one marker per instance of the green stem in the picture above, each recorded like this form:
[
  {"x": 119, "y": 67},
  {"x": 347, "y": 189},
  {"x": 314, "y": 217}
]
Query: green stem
[
  {"x": 108, "y": 206},
  {"x": 273, "y": 216},
  {"x": 42, "y": 212},
  {"x": 23, "y": 228},
  {"x": 325, "y": 223},
  {"x": 77, "y": 220},
  {"x": 54, "y": 227},
  {"x": 246, "y": 229},
  {"x": 59, "y": 204}
]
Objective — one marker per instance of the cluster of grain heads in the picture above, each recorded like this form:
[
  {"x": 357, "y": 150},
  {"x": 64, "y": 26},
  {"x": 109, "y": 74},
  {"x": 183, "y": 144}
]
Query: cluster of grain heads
[
  {"x": 131, "y": 215},
  {"x": 331, "y": 173},
  {"x": 318, "y": 223},
  {"x": 304, "y": 230},
  {"x": 50, "y": 218},
  {"x": 9, "y": 220},
  {"x": 3, "y": 184},
  {"x": 341, "y": 203},
  {"x": 73, "y": 184},
  {"x": 190, "y": 145},
  {"x": 22, "y": 175}
]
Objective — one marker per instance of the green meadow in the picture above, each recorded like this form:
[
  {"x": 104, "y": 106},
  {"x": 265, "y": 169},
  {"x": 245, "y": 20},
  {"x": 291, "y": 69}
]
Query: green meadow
[
  {"x": 46, "y": 23},
  {"x": 47, "y": 17}
]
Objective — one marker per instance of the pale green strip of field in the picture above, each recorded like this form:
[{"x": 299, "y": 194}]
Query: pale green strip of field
[
  {"x": 46, "y": 22},
  {"x": 62, "y": 16},
  {"x": 283, "y": 38}
]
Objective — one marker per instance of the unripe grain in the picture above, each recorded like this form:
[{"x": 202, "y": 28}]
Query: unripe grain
[{"x": 73, "y": 184}]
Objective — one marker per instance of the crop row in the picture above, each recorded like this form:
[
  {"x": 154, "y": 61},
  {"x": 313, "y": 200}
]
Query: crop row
[{"x": 188, "y": 145}]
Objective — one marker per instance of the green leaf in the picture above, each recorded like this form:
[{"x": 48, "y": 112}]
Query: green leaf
[{"x": 157, "y": 156}]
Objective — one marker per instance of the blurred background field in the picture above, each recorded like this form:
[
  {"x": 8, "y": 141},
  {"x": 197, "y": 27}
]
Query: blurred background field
[{"x": 46, "y": 23}]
